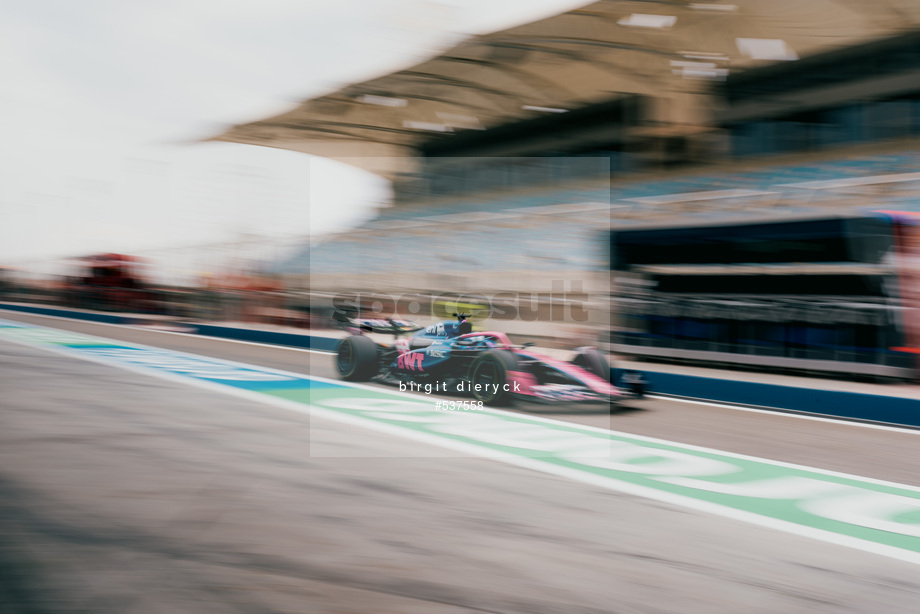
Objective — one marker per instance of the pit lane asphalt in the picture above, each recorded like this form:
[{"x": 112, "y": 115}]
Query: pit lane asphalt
[
  {"x": 125, "y": 493},
  {"x": 835, "y": 446}
]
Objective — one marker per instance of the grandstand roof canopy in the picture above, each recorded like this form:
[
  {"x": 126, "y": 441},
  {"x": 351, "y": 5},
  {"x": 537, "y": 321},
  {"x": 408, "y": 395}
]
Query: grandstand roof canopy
[{"x": 585, "y": 56}]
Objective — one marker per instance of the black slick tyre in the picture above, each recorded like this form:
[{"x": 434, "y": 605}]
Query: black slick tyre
[
  {"x": 356, "y": 359},
  {"x": 593, "y": 361},
  {"x": 489, "y": 377}
]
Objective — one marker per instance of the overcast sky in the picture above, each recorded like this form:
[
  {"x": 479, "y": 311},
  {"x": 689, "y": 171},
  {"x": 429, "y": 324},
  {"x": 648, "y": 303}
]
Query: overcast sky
[{"x": 101, "y": 100}]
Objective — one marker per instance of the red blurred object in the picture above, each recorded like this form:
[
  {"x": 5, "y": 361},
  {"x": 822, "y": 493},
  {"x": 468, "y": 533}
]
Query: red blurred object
[{"x": 112, "y": 282}]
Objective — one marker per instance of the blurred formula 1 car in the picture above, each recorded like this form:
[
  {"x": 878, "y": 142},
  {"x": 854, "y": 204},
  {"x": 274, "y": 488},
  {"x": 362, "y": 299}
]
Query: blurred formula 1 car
[{"x": 449, "y": 357}]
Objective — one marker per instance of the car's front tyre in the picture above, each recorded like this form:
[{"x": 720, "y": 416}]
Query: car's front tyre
[
  {"x": 490, "y": 379},
  {"x": 593, "y": 361}
]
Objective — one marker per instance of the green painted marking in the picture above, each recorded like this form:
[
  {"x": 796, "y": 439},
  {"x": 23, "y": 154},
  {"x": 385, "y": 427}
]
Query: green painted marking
[{"x": 846, "y": 505}]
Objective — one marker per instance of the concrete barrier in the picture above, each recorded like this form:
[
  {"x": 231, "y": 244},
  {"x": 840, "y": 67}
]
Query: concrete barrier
[
  {"x": 297, "y": 340},
  {"x": 854, "y": 405},
  {"x": 76, "y": 314}
]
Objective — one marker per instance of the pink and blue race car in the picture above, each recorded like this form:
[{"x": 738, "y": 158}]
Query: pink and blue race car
[{"x": 449, "y": 357}]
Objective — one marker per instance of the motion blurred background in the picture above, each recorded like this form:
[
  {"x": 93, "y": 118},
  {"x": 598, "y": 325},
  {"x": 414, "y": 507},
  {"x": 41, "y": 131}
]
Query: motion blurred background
[{"x": 724, "y": 182}]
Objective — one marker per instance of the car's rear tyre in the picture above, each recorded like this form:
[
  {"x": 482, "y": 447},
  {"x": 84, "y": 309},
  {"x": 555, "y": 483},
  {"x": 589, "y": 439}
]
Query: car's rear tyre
[
  {"x": 489, "y": 376},
  {"x": 593, "y": 361},
  {"x": 356, "y": 358}
]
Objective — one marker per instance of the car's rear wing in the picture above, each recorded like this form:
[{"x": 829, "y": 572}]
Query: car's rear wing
[{"x": 385, "y": 326}]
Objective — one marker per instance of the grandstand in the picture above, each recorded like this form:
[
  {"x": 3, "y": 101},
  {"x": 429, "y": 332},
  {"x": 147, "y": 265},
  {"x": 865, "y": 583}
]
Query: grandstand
[
  {"x": 556, "y": 217},
  {"x": 512, "y": 154}
]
